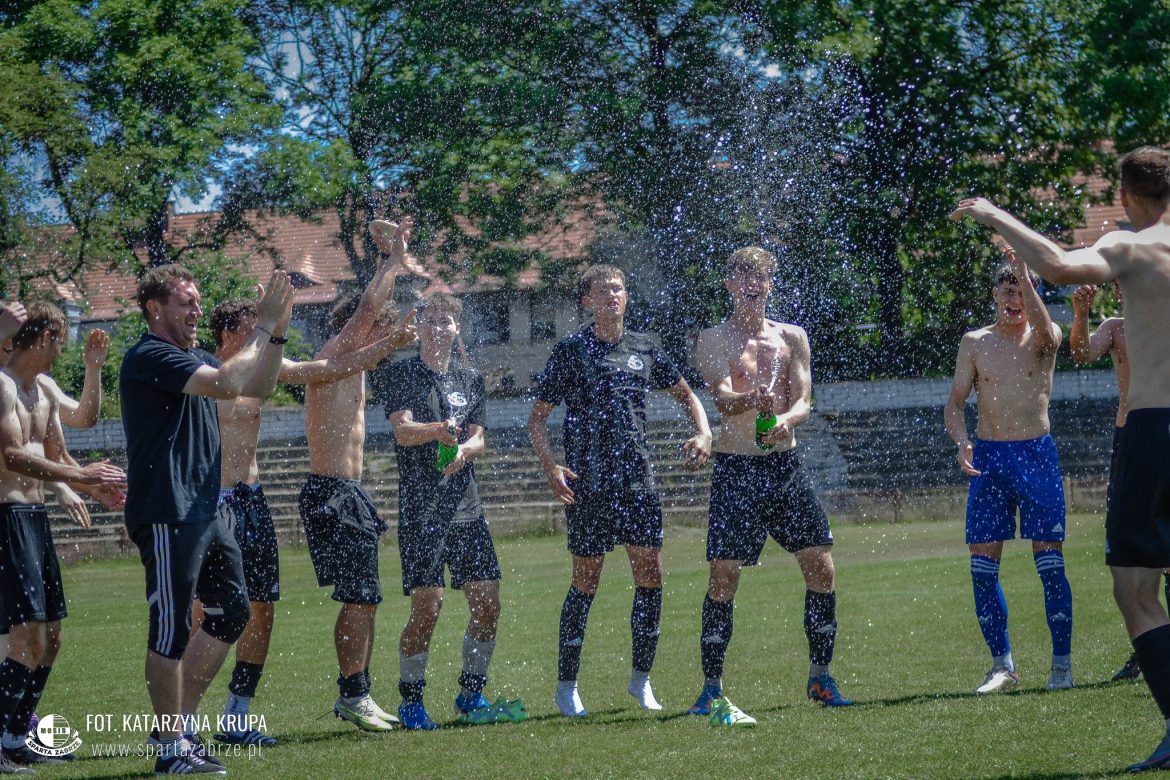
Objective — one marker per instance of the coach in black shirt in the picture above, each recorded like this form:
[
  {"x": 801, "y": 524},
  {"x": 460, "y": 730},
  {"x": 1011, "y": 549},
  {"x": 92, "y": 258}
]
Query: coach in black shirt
[
  {"x": 603, "y": 374},
  {"x": 168, "y": 392}
]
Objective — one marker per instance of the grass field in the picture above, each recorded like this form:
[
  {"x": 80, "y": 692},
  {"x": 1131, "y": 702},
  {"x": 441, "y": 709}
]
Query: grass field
[{"x": 909, "y": 651}]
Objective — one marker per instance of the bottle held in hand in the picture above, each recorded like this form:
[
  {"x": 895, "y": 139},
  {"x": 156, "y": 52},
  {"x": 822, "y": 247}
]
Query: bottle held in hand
[
  {"x": 447, "y": 453},
  {"x": 764, "y": 423}
]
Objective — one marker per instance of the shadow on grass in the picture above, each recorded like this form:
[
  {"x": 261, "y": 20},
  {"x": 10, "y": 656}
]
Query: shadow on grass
[
  {"x": 951, "y": 696},
  {"x": 1061, "y": 775}
]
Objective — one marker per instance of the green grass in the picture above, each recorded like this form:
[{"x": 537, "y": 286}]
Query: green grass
[{"x": 909, "y": 651}]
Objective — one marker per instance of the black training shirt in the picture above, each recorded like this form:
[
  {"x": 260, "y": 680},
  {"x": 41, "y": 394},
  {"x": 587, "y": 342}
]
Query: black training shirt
[
  {"x": 423, "y": 492},
  {"x": 172, "y": 438},
  {"x": 604, "y": 387}
]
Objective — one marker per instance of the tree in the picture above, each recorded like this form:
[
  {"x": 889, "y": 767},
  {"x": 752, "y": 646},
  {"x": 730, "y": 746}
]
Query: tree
[
  {"x": 404, "y": 107},
  {"x": 126, "y": 105},
  {"x": 973, "y": 97}
]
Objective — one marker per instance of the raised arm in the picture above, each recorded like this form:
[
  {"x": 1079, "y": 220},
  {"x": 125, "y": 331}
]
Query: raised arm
[
  {"x": 338, "y": 367},
  {"x": 961, "y": 387},
  {"x": 1087, "y": 348},
  {"x": 1082, "y": 266},
  {"x": 84, "y": 413},
  {"x": 1048, "y": 335},
  {"x": 12, "y": 316},
  {"x": 392, "y": 240},
  {"x": 253, "y": 370}
]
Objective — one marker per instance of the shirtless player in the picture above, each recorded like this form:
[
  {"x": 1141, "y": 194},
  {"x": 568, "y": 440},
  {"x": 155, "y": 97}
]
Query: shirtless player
[
  {"x": 1137, "y": 527},
  {"x": 342, "y": 526},
  {"x": 754, "y": 365},
  {"x": 1108, "y": 338},
  {"x": 242, "y": 502},
  {"x": 33, "y": 448},
  {"x": 1013, "y": 464}
]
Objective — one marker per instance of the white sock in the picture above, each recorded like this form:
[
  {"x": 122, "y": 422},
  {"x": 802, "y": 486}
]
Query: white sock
[
  {"x": 568, "y": 700},
  {"x": 235, "y": 712}
]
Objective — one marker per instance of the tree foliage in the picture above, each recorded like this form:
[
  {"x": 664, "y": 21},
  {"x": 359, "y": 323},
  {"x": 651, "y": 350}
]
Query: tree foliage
[{"x": 838, "y": 133}]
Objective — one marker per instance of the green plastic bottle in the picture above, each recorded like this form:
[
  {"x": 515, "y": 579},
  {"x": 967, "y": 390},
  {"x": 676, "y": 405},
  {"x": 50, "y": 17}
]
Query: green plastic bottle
[
  {"x": 447, "y": 453},
  {"x": 764, "y": 423}
]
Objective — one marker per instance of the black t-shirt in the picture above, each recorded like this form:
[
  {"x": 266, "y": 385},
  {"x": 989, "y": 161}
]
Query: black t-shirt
[
  {"x": 172, "y": 438},
  {"x": 604, "y": 386},
  {"x": 423, "y": 492}
]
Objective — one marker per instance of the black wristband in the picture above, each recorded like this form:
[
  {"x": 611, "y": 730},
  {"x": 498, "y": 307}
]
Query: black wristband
[{"x": 273, "y": 339}]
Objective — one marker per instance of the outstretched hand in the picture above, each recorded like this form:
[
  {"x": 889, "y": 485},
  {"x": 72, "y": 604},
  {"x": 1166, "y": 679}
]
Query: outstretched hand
[
  {"x": 97, "y": 346},
  {"x": 1082, "y": 299},
  {"x": 102, "y": 473},
  {"x": 12, "y": 316},
  {"x": 392, "y": 240},
  {"x": 981, "y": 210},
  {"x": 274, "y": 309},
  {"x": 406, "y": 332},
  {"x": 109, "y": 496}
]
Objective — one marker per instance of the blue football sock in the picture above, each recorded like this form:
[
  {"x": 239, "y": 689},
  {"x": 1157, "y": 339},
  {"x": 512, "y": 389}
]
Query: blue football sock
[
  {"x": 990, "y": 605},
  {"x": 1057, "y": 599}
]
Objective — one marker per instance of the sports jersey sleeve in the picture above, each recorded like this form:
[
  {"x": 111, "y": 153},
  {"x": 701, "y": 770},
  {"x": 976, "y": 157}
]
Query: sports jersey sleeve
[
  {"x": 398, "y": 388},
  {"x": 477, "y": 414},
  {"x": 664, "y": 373},
  {"x": 164, "y": 366},
  {"x": 552, "y": 386}
]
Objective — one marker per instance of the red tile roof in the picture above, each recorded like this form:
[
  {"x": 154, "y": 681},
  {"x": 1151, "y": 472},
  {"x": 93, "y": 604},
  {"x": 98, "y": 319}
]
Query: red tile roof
[{"x": 312, "y": 250}]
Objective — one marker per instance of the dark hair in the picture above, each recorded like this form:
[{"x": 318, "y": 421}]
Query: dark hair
[
  {"x": 444, "y": 302},
  {"x": 157, "y": 284},
  {"x": 42, "y": 317},
  {"x": 1005, "y": 274},
  {"x": 1145, "y": 174},
  {"x": 230, "y": 315},
  {"x": 344, "y": 309},
  {"x": 596, "y": 273}
]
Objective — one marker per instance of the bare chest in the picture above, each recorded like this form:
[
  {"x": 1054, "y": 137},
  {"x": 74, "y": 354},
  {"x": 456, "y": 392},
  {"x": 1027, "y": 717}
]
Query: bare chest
[
  {"x": 759, "y": 361},
  {"x": 32, "y": 411},
  {"x": 1001, "y": 364}
]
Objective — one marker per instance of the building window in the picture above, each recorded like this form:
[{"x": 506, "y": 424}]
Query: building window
[
  {"x": 491, "y": 326},
  {"x": 542, "y": 323}
]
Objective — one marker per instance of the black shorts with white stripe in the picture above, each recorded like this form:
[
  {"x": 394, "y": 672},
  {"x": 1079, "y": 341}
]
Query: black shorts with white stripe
[{"x": 184, "y": 561}]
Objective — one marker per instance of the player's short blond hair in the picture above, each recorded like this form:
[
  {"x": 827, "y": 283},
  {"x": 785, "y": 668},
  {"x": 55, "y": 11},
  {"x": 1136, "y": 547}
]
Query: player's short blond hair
[
  {"x": 441, "y": 302},
  {"x": 750, "y": 258}
]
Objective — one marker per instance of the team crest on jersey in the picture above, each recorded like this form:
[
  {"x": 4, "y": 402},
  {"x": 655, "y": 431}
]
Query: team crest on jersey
[
  {"x": 456, "y": 398},
  {"x": 635, "y": 363}
]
